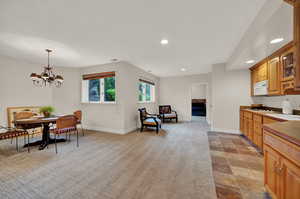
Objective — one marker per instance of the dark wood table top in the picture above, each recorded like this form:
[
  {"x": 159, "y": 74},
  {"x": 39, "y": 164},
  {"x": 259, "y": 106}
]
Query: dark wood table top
[
  {"x": 37, "y": 120},
  {"x": 289, "y": 131}
]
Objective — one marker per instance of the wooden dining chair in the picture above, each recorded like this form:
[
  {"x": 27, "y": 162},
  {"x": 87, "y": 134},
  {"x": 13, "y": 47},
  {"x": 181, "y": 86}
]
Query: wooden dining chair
[
  {"x": 31, "y": 129},
  {"x": 78, "y": 115},
  {"x": 10, "y": 133},
  {"x": 65, "y": 124}
]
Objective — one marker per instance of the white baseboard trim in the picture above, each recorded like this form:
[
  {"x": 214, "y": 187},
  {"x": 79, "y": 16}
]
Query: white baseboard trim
[
  {"x": 111, "y": 130},
  {"x": 230, "y": 131}
]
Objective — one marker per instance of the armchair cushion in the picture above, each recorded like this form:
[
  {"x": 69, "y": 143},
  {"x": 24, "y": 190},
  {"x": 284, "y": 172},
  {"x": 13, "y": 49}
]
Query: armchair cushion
[
  {"x": 170, "y": 115},
  {"x": 151, "y": 121}
]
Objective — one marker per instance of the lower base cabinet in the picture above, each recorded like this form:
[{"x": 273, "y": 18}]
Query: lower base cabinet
[
  {"x": 282, "y": 173},
  {"x": 290, "y": 178},
  {"x": 272, "y": 161}
]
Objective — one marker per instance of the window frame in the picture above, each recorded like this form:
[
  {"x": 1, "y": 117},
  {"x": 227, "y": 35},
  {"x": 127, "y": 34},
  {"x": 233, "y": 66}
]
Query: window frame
[
  {"x": 152, "y": 93},
  {"x": 85, "y": 92}
]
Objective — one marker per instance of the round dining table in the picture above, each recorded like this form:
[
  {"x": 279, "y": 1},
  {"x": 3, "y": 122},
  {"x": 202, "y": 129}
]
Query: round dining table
[{"x": 36, "y": 122}]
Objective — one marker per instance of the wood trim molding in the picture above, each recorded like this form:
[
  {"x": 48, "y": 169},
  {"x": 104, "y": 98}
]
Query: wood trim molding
[
  {"x": 98, "y": 75},
  {"x": 146, "y": 81}
]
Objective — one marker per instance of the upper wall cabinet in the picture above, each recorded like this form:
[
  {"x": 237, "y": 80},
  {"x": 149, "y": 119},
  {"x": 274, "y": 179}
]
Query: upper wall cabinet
[
  {"x": 297, "y": 43},
  {"x": 280, "y": 71},
  {"x": 274, "y": 76}
]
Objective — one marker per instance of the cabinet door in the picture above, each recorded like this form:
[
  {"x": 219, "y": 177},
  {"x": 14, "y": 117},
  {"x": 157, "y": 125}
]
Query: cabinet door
[
  {"x": 274, "y": 76},
  {"x": 245, "y": 126},
  {"x": 290, "y": 179},
  {"x": 254, "y": 79},
  {"x": 263, "y": 72},
  {"x": 297, "y": 43},
  {"x": 272, "y": 162},
  {"x": 288, "y": 65},
  {"x": 250, "y": 129},
  {"x": 242, "y": 121}
]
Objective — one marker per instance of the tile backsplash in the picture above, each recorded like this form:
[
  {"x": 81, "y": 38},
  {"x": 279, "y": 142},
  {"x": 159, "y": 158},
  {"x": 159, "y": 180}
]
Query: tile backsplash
[{"x": 275, "y": 101}]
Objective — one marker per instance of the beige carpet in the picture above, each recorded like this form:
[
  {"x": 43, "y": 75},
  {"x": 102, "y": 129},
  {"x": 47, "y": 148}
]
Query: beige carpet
[{"x": 175, "y": 164}]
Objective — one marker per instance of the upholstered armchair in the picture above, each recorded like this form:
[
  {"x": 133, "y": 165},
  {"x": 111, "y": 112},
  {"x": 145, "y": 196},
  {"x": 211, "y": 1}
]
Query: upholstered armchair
[
  {"x": 149, "y": 120},
  {"x": 166, "y": 113}
]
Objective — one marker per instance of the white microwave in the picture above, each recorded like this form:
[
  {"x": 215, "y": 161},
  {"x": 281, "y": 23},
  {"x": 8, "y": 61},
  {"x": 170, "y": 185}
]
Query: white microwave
[{"x": 261, "y": 88}]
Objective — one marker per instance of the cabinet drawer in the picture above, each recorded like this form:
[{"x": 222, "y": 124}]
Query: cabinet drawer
[
  {"x": 257, "y": 118},
  {"x": 248, "y": 115},
  {"x": 287, "y": 149}
]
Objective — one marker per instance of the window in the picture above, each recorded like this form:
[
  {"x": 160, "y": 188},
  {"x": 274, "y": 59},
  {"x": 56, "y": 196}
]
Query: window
[
  {"x": 146, "y": 91},
  {"x": 98, "y": 88}
]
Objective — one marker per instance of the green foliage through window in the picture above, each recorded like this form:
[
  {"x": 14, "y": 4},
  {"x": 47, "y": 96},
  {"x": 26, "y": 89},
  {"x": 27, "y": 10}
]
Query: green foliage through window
[
  {"x": 99, "y": 90},
  {"x": 146, "y": 92}
]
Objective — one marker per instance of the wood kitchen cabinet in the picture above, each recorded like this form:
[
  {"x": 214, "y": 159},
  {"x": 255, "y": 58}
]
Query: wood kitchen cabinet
[
  {"x": 281, "y": 71},
  {"x": 296, "y": 5},
  {"x": 258, "y": 73},
  {"x": 272, "y": 160},
  {"x": 282, "y": 167},
  {"x": 248, "y": 124},
  {"x": 257, "y": 130},
  {"x": 242, "y": 121},
  {"x": 274, "y": 76},
  {"x": 290, "y": 179}
]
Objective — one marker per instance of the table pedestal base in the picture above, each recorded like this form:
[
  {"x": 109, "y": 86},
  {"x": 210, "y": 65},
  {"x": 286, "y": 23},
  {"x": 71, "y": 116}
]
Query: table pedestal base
[{"x": 43, "y": 144}]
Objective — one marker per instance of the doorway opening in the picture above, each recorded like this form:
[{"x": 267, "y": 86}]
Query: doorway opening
[{"x": 199, "y": 101}]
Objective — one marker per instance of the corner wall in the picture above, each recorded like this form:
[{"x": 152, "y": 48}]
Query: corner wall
[
  {"x": 120, "y": 117},
  {"x": 230, "y": 90}
]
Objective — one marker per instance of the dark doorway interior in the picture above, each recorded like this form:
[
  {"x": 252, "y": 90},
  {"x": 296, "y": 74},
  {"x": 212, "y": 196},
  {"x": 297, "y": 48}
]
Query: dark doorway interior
[{"x": 199, "y": 107}]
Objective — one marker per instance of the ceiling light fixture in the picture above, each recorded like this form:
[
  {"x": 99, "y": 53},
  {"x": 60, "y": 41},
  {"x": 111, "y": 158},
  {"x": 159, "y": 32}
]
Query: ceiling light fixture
[
  {"x": 114, "y": 60},
  {"x": 277, "y": 40},
  {"x": 164, "y": 42},
  {"x": 250, "y": 61},
  {"x": 47, "y": 77},
  {"x": 183, "y": 69}
]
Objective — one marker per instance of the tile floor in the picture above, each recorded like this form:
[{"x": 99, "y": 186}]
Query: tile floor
[{"x": 237, "y": 167}]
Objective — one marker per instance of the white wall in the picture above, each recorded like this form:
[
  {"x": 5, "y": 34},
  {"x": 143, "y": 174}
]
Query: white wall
[
  {"x": 177, "y": 92},
  {"x": 230, "y": 89},
  {"x": 16, "y": 88},
  {"x": 199, "y": 91},
  {"x": 66, "y": 99}
]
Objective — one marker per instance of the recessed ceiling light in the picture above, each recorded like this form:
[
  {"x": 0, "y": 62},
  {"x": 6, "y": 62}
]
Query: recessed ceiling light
[
  {"x": 114, "y": 60},
  {"x": 183, "y": 69},
  {"x": 250, "y": 61},
  {"x": 277, "y": 40},
  {"x": 164, "y": 42}
]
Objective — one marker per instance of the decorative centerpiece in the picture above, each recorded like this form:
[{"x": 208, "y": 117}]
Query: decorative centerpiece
[{"x": 47, "y": 110}]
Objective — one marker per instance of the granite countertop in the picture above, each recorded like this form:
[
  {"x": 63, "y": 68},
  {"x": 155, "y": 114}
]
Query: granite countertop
[
  {"x": 276, "y": 115},
  {"x": 289, "y": 130}
]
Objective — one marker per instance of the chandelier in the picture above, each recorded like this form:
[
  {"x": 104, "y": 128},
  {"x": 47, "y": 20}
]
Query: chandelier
[{"x": 47, "y": 77}]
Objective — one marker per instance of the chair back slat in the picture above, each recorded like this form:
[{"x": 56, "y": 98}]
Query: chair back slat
[
  {"x": 67, "y": 121},
  {"x": 23, "y": 115},
  {"x": 143, "y": 114},
  {"x": 165, "y": 109},
  {"x": 78, "y": 115}
]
